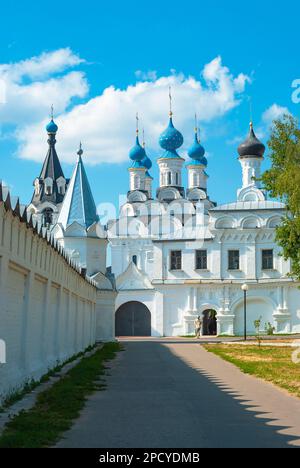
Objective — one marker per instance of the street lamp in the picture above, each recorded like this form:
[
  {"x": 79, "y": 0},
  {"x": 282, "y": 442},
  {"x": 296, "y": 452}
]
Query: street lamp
[{"x": 245, "y": 288}]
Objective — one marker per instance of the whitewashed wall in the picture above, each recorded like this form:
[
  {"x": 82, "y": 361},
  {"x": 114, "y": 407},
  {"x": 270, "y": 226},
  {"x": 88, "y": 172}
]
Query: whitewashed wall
[{"x": 47, "y": 308}]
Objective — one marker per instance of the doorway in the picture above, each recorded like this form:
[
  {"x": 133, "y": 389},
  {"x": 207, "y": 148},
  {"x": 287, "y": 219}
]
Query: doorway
[
  {"x": 209, "y": 326},
  {"x": 133, "y": 319}
]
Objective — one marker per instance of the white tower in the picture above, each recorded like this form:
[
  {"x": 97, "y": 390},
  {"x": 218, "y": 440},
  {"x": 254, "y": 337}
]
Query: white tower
[
  {"x": 50, "y": 187},
  {"x": 78, "y": 228},
  {"x": 137, "y": 171},
  {"x": 170, "y": 163},
  {"x": 197, "y": 176}
]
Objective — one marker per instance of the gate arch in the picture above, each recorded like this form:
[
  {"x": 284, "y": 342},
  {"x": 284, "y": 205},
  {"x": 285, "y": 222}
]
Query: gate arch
[
  {"x": 133, "y": 319},
  {"x": 209, "y": 325}
]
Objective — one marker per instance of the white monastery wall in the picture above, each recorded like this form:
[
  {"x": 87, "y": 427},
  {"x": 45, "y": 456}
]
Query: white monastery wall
[{"x": 47, "y": 308}]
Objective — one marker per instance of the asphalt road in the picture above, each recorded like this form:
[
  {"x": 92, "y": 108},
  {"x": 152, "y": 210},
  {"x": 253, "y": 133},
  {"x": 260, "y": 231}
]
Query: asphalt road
[{"x": 177, "y": 395}]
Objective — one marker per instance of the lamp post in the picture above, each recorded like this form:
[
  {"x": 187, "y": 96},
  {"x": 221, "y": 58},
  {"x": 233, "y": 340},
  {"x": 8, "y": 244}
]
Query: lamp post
[{"x": 245, "y": 288}]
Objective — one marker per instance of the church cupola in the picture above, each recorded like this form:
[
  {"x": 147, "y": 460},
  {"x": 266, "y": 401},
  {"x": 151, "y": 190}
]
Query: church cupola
[
  {"x": 51, "y": 127},
  {"x": 137, "y": 170},
  {"x": 252, "y": 147},
  {"x": 171, "y": 140},
  {"x": 251, "y": 155},
  {"x": 170, "y": 163},
  {"x": 197, "y": 176},
  {"x": 50, "y": 187}
]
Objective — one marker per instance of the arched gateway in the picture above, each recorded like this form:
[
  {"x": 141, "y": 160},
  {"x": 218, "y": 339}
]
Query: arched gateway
[
  {"x": 209, "y": 327},
  {"x": 133, "y": 319}
]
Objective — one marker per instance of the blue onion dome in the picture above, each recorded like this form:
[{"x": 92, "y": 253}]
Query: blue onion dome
[
  {"x": 52, "y": 127},
  {"x": 171, "y": 139},
  {"x": 147, "y": 162},
  {"x": 252, "y": 146},
  {"x": 197, "y": 151},
  {"x": 137, "y": 153}
]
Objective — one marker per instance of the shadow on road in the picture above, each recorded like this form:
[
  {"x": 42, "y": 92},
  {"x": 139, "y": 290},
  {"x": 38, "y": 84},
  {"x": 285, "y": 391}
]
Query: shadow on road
[{"x": 156, "y": 399}]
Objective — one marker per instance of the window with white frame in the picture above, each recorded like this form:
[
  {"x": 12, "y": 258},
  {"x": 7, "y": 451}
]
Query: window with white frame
[
  {"x": 176, "y": 260},
  {"x": 201, "y": 259},
  {"x": 267, "y": 259},
  {"x": 233, "y": 260}
]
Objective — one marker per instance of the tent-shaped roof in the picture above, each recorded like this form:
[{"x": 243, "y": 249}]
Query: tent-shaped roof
[{"x": 79, "y": 205}]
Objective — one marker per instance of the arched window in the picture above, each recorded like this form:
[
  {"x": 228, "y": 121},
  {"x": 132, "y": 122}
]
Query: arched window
[
  {"x": 177, "y": 178},
  {"x": 47, "y": 217},
  {"x": 48, "y": 186},
  {"x": 134, "y": 259},
  {"x": 169, "y": 179}
]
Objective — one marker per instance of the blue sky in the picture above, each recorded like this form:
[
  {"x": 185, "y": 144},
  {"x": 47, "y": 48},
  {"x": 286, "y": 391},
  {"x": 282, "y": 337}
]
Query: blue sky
[{"x": 215, "y": 55}]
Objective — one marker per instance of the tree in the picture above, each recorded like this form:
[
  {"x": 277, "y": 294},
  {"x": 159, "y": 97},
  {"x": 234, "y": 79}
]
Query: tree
[{"x": 282, "y": 181}]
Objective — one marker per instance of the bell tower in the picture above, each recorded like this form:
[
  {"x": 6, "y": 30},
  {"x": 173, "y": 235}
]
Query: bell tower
[{"x": 51, "y": 185}]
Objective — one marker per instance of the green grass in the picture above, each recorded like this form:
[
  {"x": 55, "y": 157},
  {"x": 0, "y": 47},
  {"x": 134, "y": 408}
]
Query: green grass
[
  {"x": 271, "y": 363},
  {"x": 57, "y": 407},
  {"x": 32, "y": 384}
]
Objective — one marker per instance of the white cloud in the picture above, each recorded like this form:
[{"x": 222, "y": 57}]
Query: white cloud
[
  {"x": 274, "y": 112},
  {"x": 106, "y": 123},
  {"x": 42, "y": 65},
  {"x": 30, "y": 87}
]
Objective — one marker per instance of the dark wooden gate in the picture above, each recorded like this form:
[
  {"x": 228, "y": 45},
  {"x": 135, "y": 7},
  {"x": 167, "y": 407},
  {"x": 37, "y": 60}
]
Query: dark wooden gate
[{"x": 133, "y": 319}]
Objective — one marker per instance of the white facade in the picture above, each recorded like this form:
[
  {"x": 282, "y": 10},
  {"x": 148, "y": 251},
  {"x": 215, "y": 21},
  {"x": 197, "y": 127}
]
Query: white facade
[
  {"x": 176, "y": 297},
  {"x": 235, "y": 243}
]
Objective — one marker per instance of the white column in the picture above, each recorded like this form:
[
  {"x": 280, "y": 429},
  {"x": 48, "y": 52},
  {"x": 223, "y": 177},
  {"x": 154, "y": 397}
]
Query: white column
[
  {"x": 280, "y": 297},
  {"x": 189, "y": 300},
  {"x": 250, "y": 259},
  {"x": 285, "y": 299},
  {"x": 195, "y": 300}
]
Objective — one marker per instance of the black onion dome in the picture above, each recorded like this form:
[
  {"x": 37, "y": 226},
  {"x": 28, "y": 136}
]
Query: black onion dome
[{"x": 252, "y": 146}]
